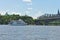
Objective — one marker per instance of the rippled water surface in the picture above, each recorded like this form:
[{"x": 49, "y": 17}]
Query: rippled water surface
[{"x": 29, "y": 32}]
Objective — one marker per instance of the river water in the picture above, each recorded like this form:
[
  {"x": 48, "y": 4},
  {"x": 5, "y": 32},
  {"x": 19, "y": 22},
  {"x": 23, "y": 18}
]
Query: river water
[{"x": 29, "y": 32}]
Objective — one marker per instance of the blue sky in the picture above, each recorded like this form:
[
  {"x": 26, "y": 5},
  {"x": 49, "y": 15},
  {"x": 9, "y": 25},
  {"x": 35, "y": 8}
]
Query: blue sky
[{"x": 32, "y": 8}]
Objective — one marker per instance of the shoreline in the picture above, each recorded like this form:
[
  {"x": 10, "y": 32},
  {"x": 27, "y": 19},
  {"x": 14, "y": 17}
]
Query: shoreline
[{"x": 33, "y": 25}]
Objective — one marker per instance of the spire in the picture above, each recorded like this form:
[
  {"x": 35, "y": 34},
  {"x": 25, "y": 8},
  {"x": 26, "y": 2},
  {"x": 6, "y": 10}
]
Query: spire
[
  {"x": 6, "y": 13},
  {"x": 58, "y": 12}
]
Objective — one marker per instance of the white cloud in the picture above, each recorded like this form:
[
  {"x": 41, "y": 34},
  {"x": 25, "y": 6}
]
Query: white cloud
[
  {"x": 27, "y": 12},
  {"x": 4, "y": 12},
  {"x": 27, "y": 1},
  {"x": 30, "y": 4},
  {"x": 37, "y": 14},
  {"x": 30, "y": 8}
]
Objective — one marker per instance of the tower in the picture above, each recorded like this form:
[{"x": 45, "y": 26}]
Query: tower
[{"x": 58, "y": 12}]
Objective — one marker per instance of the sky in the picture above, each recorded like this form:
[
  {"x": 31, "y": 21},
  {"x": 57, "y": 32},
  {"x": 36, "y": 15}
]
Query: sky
[{"x": 34, "y": 8}]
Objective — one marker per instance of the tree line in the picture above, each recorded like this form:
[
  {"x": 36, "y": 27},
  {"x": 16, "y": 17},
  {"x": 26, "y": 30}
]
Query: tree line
[{"x": 5, "y": 19}]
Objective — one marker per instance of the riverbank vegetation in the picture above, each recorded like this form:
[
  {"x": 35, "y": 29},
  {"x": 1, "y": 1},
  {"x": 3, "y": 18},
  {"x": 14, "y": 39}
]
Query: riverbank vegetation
[{"x": 5, "y": 19}]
